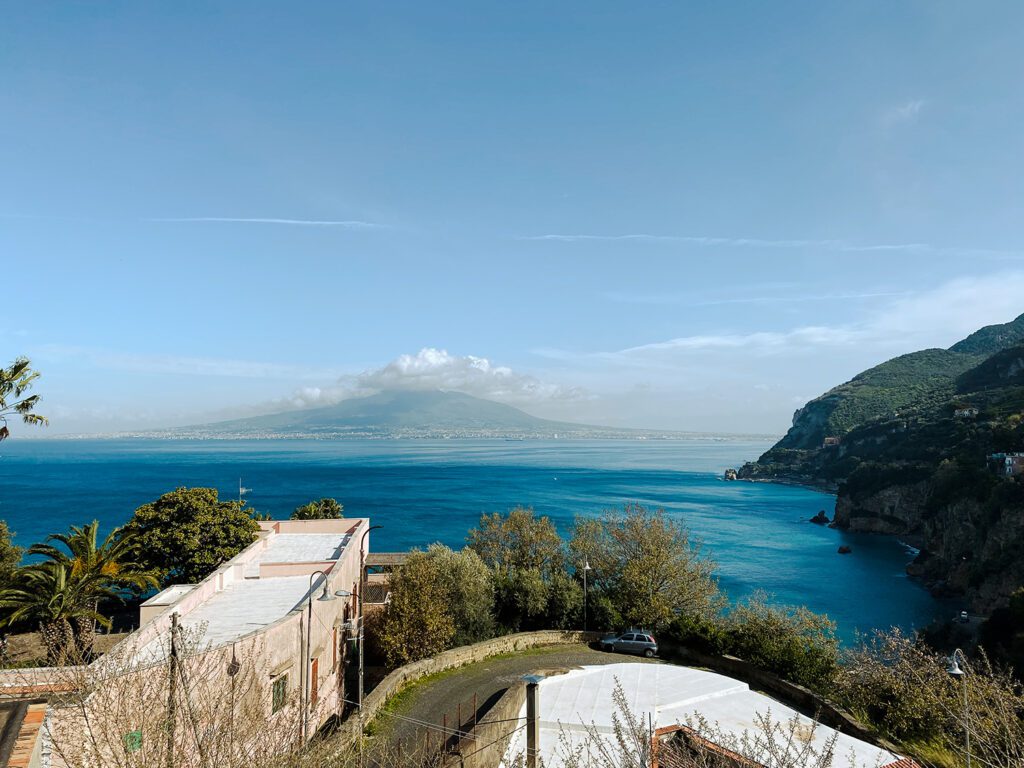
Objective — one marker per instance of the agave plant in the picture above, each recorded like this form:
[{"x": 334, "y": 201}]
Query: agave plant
[{"x": 63, "y": 592}]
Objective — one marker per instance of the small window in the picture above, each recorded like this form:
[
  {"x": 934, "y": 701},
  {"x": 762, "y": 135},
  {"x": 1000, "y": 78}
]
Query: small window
[{"x": 279, "y": 693}]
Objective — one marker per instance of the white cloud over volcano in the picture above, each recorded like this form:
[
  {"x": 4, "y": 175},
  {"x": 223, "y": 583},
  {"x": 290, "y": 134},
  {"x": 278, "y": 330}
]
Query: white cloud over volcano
[{"x": 431, "y": 369}]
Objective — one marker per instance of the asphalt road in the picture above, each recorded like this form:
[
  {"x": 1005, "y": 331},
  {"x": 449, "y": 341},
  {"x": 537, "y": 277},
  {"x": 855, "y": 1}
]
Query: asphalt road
[{"x": 421, "y": 711}]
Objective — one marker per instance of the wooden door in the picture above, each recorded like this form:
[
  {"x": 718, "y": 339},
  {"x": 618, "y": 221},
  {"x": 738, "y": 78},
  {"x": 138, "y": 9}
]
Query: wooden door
[{"x": 314, "y": 681}]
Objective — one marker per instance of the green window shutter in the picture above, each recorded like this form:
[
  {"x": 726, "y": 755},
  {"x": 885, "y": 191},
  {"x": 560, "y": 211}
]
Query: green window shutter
[
  {"x": 279, "y": 693},
  {"x": 133, "y": 741}
]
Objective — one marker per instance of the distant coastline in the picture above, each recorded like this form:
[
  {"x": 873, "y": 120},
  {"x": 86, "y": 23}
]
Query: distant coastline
[{"x": 631, "y": 435}]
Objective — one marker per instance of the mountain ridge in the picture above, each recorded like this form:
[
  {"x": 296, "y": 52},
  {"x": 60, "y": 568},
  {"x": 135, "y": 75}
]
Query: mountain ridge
[
  {"x": 409, "y": 413},
  {"x": 909, "y": 457}
]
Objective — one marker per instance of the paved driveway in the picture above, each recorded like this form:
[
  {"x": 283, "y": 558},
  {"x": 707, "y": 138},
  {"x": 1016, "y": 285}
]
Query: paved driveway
[{"x": 409, "y": 721}]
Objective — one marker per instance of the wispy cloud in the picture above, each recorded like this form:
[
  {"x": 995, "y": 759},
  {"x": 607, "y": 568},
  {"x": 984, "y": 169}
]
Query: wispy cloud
[
  {"x": 842, "y": 246},
  {"x": 688, "y": 300},
  {"x": 354, "y": 224},
  {"x": 937, "y": 317},
  {"x": 735, "y": 242},
  {"x": 344, "y": 224},
  {"x": 184, "y": 365},
  {"x": 906, "y": 112}
]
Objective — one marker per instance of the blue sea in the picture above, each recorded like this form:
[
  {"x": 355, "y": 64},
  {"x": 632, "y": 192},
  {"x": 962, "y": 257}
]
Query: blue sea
[{"x": 425, "y": 491}]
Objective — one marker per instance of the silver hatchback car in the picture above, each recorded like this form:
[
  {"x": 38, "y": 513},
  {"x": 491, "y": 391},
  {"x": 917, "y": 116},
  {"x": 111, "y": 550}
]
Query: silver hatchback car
[{"x": 636, "y": 641}]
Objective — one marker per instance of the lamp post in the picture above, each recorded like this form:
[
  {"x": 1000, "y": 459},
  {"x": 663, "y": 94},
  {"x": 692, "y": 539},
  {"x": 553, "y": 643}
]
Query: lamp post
[
  {"x": 586, "y": 567},
  {"x": 362, "y": 584},
  {"x": 955, "y": 671},
  {"x": 325, "y": 597}
]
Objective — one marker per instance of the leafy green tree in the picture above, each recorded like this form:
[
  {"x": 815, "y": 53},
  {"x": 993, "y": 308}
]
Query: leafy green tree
[
  {"x": 519, "y": 541},
  {"x": 794, "y": 643},
  {"x": 469, "y": 592},
  {"x": 185, "y": 534},
  {"x": 95, "y": 570},
  {"x": 527, "y": 559},
  {"x": 10, "y": 555},
  {"x": 321, "y": 509},
  {"x": 417, "y": 623},
  {"x": 15, "y": 380},
  {"x": 646, "y": 565},
  {"x": 565, "y": 602}
]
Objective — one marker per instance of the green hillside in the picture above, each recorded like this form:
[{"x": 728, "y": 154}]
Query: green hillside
[{"x": 918, "y": 381}]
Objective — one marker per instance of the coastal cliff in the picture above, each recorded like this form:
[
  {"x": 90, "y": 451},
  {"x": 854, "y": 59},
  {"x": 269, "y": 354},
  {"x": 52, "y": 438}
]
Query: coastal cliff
[{"x": 906, "y": 445}]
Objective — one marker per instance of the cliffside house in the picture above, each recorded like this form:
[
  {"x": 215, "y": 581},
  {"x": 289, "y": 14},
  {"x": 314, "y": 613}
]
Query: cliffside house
[
  {"x": 694, "y": 710},
  {"x": 965, "y": 412},
  {"x": 830, "y": 442},
  {"x": 1007, "y": 464},
  {"x": 246, "y": 625}
]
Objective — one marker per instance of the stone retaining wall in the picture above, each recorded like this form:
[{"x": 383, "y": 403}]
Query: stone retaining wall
[
  {"x": 484, "y": 745},
  {"x": 456, "y": 657},
  {"x": 795, "y": 695}
]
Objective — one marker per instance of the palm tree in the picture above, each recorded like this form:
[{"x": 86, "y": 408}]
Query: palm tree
[
  {"x": 46, "y": 594},
  {"x": 15, "y": 380},
  {"x": 64, "y": 591}
]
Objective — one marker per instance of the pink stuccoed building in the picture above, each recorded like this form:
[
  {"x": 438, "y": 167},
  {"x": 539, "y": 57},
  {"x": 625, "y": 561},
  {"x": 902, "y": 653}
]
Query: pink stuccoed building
[{"x": 248, "y": 673}]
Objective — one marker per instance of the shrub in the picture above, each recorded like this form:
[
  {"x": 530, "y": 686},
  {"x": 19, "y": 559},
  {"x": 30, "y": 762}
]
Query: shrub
[{"x": 794, "y": 643}]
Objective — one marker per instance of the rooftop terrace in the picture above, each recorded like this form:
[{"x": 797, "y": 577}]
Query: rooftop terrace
[{"x": 253, "y": 590}]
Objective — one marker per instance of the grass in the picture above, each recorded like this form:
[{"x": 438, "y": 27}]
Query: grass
[
  {"x": 399, "y": 702},
  {"x": 932, "y": 753}
]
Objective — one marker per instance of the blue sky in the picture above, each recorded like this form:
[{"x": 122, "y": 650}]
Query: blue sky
[{"x": 689, "y": 216}]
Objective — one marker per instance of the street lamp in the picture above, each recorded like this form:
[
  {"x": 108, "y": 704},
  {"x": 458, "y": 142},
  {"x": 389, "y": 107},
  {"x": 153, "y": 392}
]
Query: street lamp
[
  {"x": 325, "y": 597},
  {"x": 955, "y": 671},
  {"x": 362, "y": 584},
  {"x": 586, "y": 567}
]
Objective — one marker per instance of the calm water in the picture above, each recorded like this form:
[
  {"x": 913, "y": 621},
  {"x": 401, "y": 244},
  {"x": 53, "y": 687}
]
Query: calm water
[{"x": 426, "y": 491}]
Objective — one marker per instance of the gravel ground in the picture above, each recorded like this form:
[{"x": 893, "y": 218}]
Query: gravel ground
[{"x": 429, "y": 700}]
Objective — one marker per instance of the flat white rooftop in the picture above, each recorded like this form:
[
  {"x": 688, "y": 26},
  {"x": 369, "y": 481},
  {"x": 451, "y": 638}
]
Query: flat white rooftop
[
  {"x": 299, "y": 548},
  {"x": 242, "y": 603},
  {"x": 246, "y": 606},
  {"x": 171, "y": 595},
  {"x": 577, "y": 705},
  {"x": 304, "y": 547},
  {"x": 238, "y": 609}
]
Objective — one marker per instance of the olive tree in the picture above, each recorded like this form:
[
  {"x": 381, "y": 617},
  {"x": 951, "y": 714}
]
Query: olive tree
[
  {"x": 417, "y": 622},
  {"x": 527, "y": 559},
  {"x": 646, "y": 565},
  {"x": 469, "y": 592}
]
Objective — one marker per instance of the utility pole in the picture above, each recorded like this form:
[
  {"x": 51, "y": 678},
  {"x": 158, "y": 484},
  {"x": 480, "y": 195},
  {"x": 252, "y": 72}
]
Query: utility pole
[
  {"x": 172, "y": 689},
  {"x": 533, "y": 720}
]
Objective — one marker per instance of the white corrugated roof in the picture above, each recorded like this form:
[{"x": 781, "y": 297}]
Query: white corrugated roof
[{"x": 579, "y": 704}]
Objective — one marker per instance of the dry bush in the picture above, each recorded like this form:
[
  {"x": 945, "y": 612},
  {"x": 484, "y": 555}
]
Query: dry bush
[
  {"x": 126, "y": 710},
  {"x": 902, "y": 687}
]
